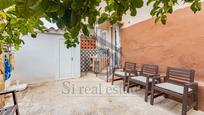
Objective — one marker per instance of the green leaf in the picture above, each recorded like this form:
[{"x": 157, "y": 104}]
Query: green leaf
[
  {"x": 157, "y": 19},
  {"x": 66, "y": 35},
  {"x": 67, "y": 18},
  {"x": 53, "y": 6},
  {"x": 103, "y": 17},
  {"x": 133, "y": 12},
  {"x": 154, "y": 11},
  {"x": 189, "y": 1},
  {"x": 2, "y": 15},
  {"x": 196, "y": 6},
  {"x": 38, "y": 8},
  {"x": 61, "y": 11},
  {"x": 163, "y": 19},
  {"x": 25, "y": 8},
  {"x": 34, "y": 34},
  {"x": 149, "y": 1},
  {"x": 85, "y": 30},
  {"x": 14, "y": 27},
  {"x": 138, "y": 3},
  {"x": 60, "y": 24},
  {"x": 74, "y": 18},
  {"x": 6, "y": 3}
]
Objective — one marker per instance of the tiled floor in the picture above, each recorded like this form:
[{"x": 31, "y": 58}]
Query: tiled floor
[{"x": 91, "y": 96}]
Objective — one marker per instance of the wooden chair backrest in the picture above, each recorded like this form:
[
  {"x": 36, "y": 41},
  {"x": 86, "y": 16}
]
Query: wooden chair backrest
[
  {"x": 180, "y": 76},
  {"x": 130, "y": 67},
  {"x": 149, "y": 69}
]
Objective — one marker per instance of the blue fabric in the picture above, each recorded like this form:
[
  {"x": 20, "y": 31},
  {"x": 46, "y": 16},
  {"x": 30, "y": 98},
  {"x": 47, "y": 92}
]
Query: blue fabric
[{"x": 7, "y": 69}]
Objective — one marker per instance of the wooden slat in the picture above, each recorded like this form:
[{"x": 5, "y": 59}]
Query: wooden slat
[
  {"x": 129, "y": 66},
  {"x": 180, "y": 72},
  {"x": 149, "y": 69},
  {"x": 181, "y": 76},
  {"x": 151, "y": 72}
]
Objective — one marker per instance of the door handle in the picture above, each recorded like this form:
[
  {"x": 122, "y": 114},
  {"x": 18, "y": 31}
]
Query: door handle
[{"x": 72, "y": 58}]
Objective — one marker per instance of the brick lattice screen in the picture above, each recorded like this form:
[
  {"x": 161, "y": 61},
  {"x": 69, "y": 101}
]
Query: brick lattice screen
[
  {"x": 88, "y": 49},
  {"x": 88, "y": 43}
]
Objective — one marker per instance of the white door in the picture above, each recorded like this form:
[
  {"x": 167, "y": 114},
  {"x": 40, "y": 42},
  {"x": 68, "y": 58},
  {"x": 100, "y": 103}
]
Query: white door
[
  {"x": 75, "y": 61},
  {"x": 65, "y": 61}
]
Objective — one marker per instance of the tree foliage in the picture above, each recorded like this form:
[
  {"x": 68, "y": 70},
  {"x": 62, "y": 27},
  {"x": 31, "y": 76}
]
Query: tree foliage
[
  {"x": 13, "y": 27},
  {"x": 74, "y": 16}
]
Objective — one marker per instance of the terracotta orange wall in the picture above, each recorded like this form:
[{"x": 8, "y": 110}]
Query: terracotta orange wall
[{"x": 180, "y": 43}]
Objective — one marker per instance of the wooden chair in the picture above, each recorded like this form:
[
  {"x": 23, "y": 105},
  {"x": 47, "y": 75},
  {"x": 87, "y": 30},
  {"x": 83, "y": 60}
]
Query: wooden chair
[
  {"x": 11, "y": 109},
  {"x": 179, "y": 84},
  {"x": 129, "y": 68},
  {"x": 144, "y": 78}
]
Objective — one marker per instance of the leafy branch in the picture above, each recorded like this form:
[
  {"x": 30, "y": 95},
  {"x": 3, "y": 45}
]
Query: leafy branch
[
  {"x": 75, "y": 16},
  {"x": 13, "y": 27}
]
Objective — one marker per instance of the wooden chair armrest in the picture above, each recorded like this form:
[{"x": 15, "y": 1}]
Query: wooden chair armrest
[
  {"x": 117, "y": 68},
  {"x": 154, "y": 78},
  {"x": 153, "y": 75},
  {"x": 193, "y": 85},
  {"x": 130, "y": 72},
  {"x": 7, "y": 92}
]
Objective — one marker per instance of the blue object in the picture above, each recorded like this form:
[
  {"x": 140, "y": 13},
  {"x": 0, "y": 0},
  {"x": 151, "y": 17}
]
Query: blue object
[{"x": 7, "y": 69}]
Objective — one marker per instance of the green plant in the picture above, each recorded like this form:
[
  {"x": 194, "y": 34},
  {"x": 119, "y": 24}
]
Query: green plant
[
  {"x": 74, "y": 16},
  {"x": 13, "y": 27}
]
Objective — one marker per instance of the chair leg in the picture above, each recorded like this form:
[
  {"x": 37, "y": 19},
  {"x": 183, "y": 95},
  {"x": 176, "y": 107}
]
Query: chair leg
[
  {"x": 146, "y": 92},
  {"x": 196, "y": 98},
  {"x": 196, "y": 106},
  {"x": 124, "y": 83},
  {"x": 185, "y": 102},
  {"x": 128, "y": 85},
  {"x": 128, "y": 89},
  {"x": 152, "y": 96},
  {"x": 112, "y": 79},
  {"x": 15, "y": 103},
  {"x": 184, "y": 112}
]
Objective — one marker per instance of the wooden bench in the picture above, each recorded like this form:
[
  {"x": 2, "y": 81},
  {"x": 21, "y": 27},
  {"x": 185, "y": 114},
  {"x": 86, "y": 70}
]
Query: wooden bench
[
  {"x": 144, "y": 78},
  {"x": 129, "y": 68},
  {"x": 11, "y": 109},
  {"x": 178, "y": 83}
]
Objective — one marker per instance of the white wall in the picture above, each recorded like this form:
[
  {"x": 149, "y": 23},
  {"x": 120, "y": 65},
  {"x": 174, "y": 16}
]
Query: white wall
[{"x": 38, "y": 59}]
